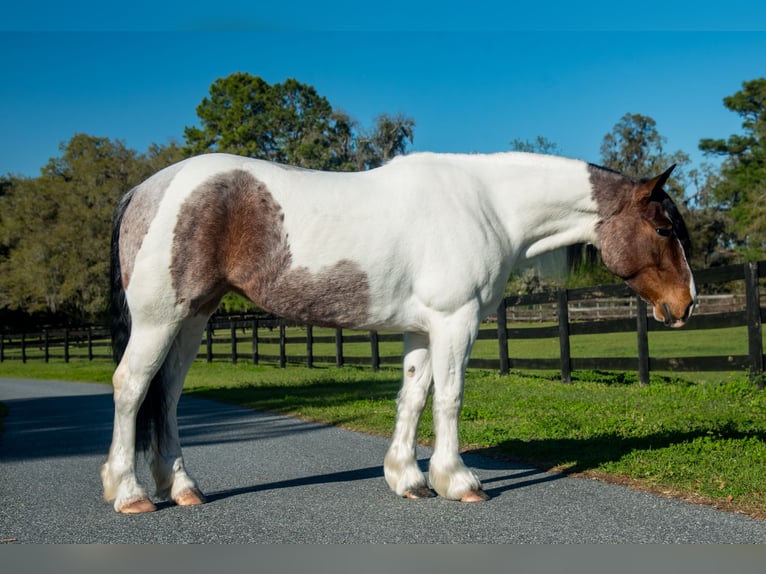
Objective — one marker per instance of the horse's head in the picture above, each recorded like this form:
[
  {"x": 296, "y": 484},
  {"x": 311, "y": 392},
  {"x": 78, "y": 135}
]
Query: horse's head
[{"x": 646, "y": 243}]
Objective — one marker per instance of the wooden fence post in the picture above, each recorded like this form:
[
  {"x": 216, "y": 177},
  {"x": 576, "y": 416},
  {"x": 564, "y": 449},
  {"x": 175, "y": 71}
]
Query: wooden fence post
[
  {"x": 502, "y": 337},
  {"x": 2, "y": 347},
  {"x": 282, "y": 345},
  {"x": 209, "y": 343},
  {"x": 375, "y": 349},
  {"x": 66, "y": 345},
  {"x": 338, "y": 347},
  {"x": 643, "y": 341},
  {"x": 566, "y": 359},
  {"x": 47, "y": 345},
  {"x": 255, "y": 342},
  {"x": 23, "y": 347},
  {"x": 310, "y": 346},
  {"x": 754, "y": 334},
  {"x": 233, "y": 331},
  {"x": 90, "y": 343}
]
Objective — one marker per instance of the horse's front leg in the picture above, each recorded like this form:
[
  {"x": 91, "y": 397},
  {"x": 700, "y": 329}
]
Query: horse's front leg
[
  {"x": 451, "y": 341},
  {"x": 401, "y": 467}
]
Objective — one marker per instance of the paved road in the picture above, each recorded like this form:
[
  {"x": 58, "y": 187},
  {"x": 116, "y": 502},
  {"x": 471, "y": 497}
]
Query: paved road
[{"x": 275, "y": 479}]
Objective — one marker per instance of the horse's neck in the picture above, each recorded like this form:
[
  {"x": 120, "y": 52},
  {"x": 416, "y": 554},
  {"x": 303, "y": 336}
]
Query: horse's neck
[{"x": 545, "y": 202}]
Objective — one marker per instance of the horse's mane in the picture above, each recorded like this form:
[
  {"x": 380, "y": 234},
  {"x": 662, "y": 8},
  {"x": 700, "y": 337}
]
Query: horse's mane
[{"x": 679, "y": 227}]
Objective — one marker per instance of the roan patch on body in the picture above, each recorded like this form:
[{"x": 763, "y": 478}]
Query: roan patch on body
[
  {"x": 135, "y": 225},
  {"x": 252, "y": 257},
  {"x": 143, "y": 202}
]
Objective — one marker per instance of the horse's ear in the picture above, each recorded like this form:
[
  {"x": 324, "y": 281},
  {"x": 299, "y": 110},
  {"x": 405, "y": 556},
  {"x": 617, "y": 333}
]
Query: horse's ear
[{"x": 646, "y": 189}]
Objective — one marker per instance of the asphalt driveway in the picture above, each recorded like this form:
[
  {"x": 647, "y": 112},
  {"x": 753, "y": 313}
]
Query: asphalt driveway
[{"x": 272, "y": 479}]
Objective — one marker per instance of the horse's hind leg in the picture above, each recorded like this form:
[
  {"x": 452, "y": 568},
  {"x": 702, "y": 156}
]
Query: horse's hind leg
[
  {"x": 143, "y": 358},
  {"x": 167, "y": 462},
  {"x": 401, "y": 468}
]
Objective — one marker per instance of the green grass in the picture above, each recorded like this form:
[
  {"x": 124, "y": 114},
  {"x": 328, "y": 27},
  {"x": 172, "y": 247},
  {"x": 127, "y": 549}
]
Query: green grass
[
  {"x": 79, "y": 370},
  {"x": 701, "y": 438}
]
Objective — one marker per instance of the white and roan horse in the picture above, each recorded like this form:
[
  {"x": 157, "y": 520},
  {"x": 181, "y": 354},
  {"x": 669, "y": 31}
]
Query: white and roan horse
[{"x": 423, "y": 245}]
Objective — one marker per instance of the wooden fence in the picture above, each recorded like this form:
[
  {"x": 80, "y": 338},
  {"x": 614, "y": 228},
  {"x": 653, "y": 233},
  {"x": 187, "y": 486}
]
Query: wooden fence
[{"x": 263, "y": 338}]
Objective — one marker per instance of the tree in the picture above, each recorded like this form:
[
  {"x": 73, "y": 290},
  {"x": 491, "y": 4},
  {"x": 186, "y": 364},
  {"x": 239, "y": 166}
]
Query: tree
[
  {"x": 636, "y": 148},
  {"x": 159, "y": 156},
  {"x": 541, "y": 144},
  {"x": 56, "y": 228},
  {"x": 287, "y": 122},
  {"x": 708, "y": 225},
  {"x": 290, "y": 123},
  {"x": 387, "y": 139},
  {"x": 740, "y": 191}
]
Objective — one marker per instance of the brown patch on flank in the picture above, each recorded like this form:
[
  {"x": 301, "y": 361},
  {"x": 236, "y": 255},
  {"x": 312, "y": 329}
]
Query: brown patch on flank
[
  {"x": 144, "y": 202},
  {"x": 230, "y": 236},
  {"x": 337, "y": 296}
]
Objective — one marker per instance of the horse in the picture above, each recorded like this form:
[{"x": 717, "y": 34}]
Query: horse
[{"x": 423, "y": 245}]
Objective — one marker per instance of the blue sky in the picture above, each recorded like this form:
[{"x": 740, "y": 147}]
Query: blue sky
[{"x": 474, "y": 76}]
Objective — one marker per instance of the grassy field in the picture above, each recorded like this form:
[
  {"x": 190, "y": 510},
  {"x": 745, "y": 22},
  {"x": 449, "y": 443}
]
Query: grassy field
[{"x": 701, "y": 438}]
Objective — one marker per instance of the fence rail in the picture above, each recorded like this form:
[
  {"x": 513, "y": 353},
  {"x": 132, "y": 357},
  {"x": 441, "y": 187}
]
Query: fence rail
[{"x": 608, "y": 309}]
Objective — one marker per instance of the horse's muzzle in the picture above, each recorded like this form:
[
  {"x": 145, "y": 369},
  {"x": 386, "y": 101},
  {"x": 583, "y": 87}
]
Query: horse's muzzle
[{"x": 671, "y": 321}]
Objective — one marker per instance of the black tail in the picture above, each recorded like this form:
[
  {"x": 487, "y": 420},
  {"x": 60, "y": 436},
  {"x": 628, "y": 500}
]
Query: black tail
[
  {"x": 119, "y": 315},
  {"x": 151, "y": 414}
]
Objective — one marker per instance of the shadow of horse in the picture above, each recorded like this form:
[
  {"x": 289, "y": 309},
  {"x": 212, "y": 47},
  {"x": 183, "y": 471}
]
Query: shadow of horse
[
  {"x": 506, "y": 476},
  {"x": 568, "y": 456}
]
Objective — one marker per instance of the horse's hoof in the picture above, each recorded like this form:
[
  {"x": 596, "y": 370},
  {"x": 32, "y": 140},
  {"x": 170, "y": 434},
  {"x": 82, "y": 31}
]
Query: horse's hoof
[
  {"x": 475, "y": 496},
  {"x": 139, "y": 506},
  {"x": 418, "y": 492},
  {"x": 189, "y": 498}
]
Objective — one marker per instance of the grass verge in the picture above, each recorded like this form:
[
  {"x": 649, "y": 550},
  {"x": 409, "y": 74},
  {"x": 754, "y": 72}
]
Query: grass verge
[{"x": 700, "y": 441}]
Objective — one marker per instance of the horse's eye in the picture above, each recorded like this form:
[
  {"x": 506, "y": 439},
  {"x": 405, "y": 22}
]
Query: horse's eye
[{"x": 664, "y": 231}]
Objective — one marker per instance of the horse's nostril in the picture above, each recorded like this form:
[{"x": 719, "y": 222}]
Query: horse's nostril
[{"x": 668, "y": 315}]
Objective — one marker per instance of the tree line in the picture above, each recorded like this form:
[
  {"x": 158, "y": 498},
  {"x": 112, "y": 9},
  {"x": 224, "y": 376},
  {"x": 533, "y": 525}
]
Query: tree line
[{"x": 55, "y": 228}]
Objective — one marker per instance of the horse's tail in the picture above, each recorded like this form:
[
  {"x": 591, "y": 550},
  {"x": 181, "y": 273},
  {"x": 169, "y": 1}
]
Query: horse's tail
[
  {"x": 119, "y": 314},
  {"x": 151, "y": 413}
]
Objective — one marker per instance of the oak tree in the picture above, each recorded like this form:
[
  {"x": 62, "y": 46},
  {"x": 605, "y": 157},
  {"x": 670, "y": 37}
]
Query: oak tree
[{"x": 740, "y": 189}]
